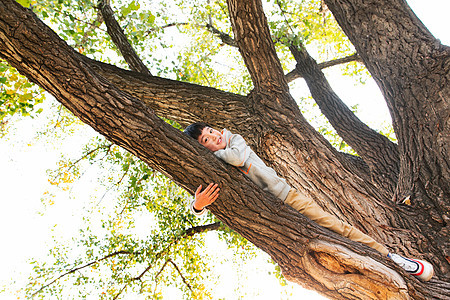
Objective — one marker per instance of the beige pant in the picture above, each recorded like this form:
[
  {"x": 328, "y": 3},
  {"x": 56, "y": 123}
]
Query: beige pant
[{"x": 309, "y": 208}]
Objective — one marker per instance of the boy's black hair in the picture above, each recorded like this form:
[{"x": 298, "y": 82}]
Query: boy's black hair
[{"x": 195, "y": 130}]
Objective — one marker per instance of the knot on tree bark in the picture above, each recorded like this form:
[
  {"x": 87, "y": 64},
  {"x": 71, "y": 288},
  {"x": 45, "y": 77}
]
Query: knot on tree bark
[{"x": 351, "y": 275}]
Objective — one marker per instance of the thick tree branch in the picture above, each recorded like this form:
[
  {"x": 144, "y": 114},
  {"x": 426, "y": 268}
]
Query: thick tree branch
[
  {"x": 186, "y": 103},
  {"x": 226, "y": 38},
  {"x": 251, "y": 129},
  {"x": 256, "y": 46},
  {"x": 129, "y": 123},
  {"x": 380, "y": 154},
  {"x": 182, "y": 102},
  {"x": 120, "y": 40},
  {"x": 253, "y": 37},
  {"x": 284, "y": 123}
]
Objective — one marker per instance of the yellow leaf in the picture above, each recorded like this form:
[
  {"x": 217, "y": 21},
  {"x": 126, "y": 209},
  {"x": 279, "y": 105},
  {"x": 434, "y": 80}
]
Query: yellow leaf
[
  {"x": 13, "y": 77},
  {"x": 25, "y": 97},
  {"x": 407, "y": 200}
]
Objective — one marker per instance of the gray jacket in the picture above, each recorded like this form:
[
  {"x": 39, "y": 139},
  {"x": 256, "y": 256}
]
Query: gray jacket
[{"x": 238, "y": 154}]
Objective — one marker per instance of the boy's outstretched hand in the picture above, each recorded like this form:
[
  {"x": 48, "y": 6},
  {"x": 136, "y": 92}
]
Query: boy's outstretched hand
[{"x": 205, "y": 198}]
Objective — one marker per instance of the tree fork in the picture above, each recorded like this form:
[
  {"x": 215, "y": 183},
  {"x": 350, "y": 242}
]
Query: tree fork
[
  {"x": 259, "y": 138},
  {"x": 298, "y": 150},
  {"x": 38, "y": 53}
]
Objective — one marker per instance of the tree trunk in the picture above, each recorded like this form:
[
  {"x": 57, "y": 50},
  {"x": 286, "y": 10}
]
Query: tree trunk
[
  {"x": 307, "y": 253},
  {"x": 411, "y": 68}
]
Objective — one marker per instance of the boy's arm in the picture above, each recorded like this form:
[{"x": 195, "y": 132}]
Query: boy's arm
[
  {"x": 236, "y": 152},
  {"x": 205, "y": 198}
]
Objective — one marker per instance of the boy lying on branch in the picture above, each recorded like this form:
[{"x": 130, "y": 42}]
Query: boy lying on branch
[{"x": 233, "y": 149}]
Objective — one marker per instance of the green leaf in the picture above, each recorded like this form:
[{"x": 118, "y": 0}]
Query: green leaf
[
  {"x": 126, "y": 10},
  {"x": 24, "y": 3},
  {"x": 151, "y": 18},
  {"x": 134, "y": 5}
]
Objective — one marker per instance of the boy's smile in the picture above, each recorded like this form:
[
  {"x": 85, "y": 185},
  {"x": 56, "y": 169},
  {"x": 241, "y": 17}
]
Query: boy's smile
[{"x": 212, "y": 139}]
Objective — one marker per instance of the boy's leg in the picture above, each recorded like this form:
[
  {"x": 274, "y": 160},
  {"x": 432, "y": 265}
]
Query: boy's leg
[
  {"x": 312, "y": 210},
  {"x": 308, "y": 207}
]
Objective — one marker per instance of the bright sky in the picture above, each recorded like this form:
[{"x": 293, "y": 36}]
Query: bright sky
[{"x": 23, "y": 180}]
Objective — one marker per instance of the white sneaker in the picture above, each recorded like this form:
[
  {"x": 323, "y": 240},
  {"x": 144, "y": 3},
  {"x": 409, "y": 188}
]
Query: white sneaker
[{"x": 419, "y": 268}]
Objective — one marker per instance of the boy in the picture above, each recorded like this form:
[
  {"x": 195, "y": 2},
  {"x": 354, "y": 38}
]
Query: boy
[{"x": 232, "y": 149}]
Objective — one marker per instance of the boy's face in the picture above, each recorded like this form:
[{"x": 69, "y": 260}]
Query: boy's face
[{"x": 212, "y": 139}]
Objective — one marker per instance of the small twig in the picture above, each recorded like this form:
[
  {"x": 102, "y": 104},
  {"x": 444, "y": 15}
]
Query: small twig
[
  {"x": 189, "y": 232},
  {"x": 73, "y": 164},
  {"x": 209, "y": 15},
  {"x": 92, "y": 24},
  {"x": 284, "y": 16},
  {"x": 59, "y": 116},
  {"x": 120, "y": 292},
  {"x": 201, "y": 71},
  {"x": 136, "y": 278},
  {"x": 178, "y": 270},
  {"x": 182, "y": 277},
  {"x": 81, "y": 267},
  {"x": 107, "y": 152},
  {"x": 95, "y": 25},
  {"x": 294, "y": 74},
  {"x": 123, "y": 176},
  {"x": 203, "y": 228},
  {"x": 84, "y": 156},
  {"x": 162, "y": 268},
  {"x": 226, "y": 38},
  {"x": 165, "y": 26}
]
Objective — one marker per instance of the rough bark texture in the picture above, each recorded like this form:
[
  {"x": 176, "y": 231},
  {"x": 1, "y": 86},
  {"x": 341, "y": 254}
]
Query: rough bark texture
[
  {"x": 412, "y": 69},
  {"x": 120, "y": 40},
  {"x": 380, "y": 154},
  {"x": 124, "y": 105},
  {"x": 179, "y": 101}
]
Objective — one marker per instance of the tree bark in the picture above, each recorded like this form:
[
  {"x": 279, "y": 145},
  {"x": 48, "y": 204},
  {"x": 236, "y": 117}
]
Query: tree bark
[
  {"x": 307, "y": 253},
  {"x": 307, "y": 161},
  {"x": 120, "y": 40},
  {"x": 411, "y": 68},
  {"x": 380, "y": 154}
]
